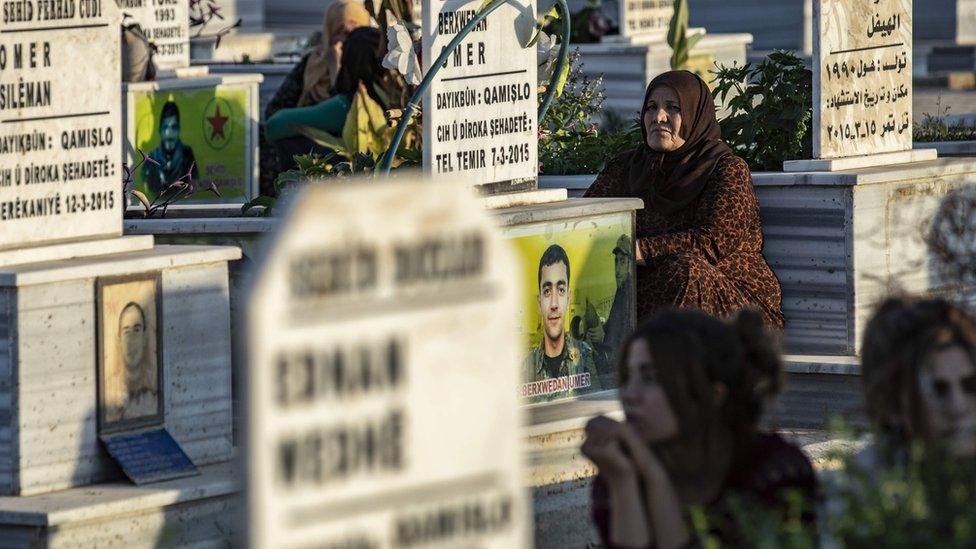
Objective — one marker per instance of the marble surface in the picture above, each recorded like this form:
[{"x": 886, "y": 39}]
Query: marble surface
[
  {"x": 390, "y": 264},
  {"x": 480, "y": 111},
  {"x": 60, "y": 126},
  {"x": 862, "y": 77},
  {"x": 158, "y": 257}
]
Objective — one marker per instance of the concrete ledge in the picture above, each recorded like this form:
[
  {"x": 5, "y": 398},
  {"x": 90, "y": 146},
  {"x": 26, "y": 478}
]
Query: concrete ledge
[
  {"x": 159, "y": 257},
  {"x": 101, "y": 501},
  {"x": 566, "y": 209},
  {"x": 201, "y": 225},
  {"x": 951, "y": 148},
  {"x": 857, "y": 162},
  {"x": 70, "y": 250},
  {"x": 527, "y": 198}
]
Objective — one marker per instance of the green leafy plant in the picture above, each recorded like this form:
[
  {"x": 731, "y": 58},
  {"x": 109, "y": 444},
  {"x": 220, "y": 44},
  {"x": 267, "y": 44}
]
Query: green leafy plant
[
  {"x": 681, "y": 44},
  {"x": 366, "y": 134},
  {"x": 769, "y": 110},
  {"x": 925, "y": 500},
  {"x": 938, "y": 128},
  {"x": 570, "y": 139}
]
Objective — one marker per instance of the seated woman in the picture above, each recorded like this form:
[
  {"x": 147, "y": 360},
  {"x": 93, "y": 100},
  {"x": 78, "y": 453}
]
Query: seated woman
[
  {"x": 699, "y": 237},
  {"x": 360, "y": 64},
  {"x": 692, "y": 389},
  {"x": 312, "y": 79}
]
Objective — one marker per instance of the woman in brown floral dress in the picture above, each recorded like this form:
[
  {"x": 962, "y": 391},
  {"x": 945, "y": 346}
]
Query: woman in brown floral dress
[{"x": 699, "y": 237}]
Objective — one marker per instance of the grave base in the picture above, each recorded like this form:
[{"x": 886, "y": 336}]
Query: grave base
[
  {"x": 196, "y": 511},
  {"x": 75, "y": 249},
  {"x": 49, "y": 359},
  {"x": 858, "y": 162}
]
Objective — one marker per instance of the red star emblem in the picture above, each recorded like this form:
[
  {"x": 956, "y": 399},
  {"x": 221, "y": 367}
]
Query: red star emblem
[{"x": 217, "y": 122}]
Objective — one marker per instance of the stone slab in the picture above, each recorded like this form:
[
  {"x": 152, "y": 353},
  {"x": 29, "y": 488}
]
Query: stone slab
[
  {"x": 511, "y": 200},
  {"x": 566, "y": 209},
  {"x": 201, "y": 226},
  {"x": 862, "y": 77},
  {"x": 60, "y": 124},
  {"x": 71, "y": 250},
  {"x": 858, "y": 162},
  {"x": 199, "y": 512},
  {"x": 159, "y": 257},
  {"x": 950, "y": 148},
  {"x": 100, "y": 501}
]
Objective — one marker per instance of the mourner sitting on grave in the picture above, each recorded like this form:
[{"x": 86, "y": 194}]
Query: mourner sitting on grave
[
  {"x": 692, "y": 389},
  {"x": 699, "y": 238},
  {"x": 312, "y": 79},
  {"x": 360, "y": 65}
]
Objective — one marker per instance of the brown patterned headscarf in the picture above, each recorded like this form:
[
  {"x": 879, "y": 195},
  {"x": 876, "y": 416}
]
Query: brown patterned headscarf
[{"x": 673, "y": 180}]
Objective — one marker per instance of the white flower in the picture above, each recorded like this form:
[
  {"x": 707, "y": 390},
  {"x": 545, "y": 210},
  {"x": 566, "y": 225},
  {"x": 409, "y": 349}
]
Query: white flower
[
  {"x": 400, "y": 55},
  {"x": 547, "y": 52}
]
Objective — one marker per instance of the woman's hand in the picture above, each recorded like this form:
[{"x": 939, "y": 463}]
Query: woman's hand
[
  {"x": 639, "y": 256},
  {"x": 644, "y": 459},
  {"x": 604, "y": 448}
]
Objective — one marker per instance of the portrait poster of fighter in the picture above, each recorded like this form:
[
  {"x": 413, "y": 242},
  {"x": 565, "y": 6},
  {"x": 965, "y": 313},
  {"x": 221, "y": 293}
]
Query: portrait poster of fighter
[
  {"x": 578, "y": 303},
  {"x": 200, "y": 133}
]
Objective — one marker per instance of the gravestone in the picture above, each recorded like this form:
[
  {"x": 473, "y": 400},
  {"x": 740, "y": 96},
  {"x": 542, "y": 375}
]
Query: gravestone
[
  {"x": 383, "y": 374},
  {"x": 59, "y": 123},
  {"x": 862, "y": 86},
  {"x": 642, "y": 20},
  {"x": 113, "y": 347},
  {"x": 479, "y": 113},
  {"x": 166, "y": 23}
]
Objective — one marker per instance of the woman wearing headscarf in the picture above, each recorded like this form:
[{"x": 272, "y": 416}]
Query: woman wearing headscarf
[
  {"x": 699, "y": 238},
  {"x": 312, "y": 79},
  {"x": 360, "y": 64}
]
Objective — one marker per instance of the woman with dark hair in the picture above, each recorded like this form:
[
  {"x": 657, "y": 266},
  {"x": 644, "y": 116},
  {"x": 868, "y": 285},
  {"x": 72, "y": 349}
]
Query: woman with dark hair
[
  {"x": 360, "y": 65},
  {"x": 699, "y": 236},
  {"x": 918, "y": 361},
  {"x": 693, "y": 389}
]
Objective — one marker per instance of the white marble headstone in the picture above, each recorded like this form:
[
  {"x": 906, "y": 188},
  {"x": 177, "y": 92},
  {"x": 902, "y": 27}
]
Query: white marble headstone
[
  {"x": 862, "y": 77},
  {"x": 166, "y": 24},
  {"x": 479, "y": 114},
  {"x": 644, "y": 17},
  {"x": 382, "y": 370},
  {"x": 60, "y": 115}
]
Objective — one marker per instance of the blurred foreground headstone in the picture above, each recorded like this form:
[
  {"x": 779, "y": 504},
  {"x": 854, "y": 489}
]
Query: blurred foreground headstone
[{"x": 381, "y": 400}]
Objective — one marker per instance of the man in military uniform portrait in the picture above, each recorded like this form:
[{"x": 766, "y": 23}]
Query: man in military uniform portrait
[
  {"x": 558, "y": 354},
  {"x": 172, "y": 159},
  {"x": 620, "y": 320}
]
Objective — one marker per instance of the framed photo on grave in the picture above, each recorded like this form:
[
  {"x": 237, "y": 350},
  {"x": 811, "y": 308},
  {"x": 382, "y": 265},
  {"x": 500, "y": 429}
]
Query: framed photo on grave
[
  {"x": 578, "y": 306},
  {"x": 130, "y": 372},
  {"x": 204, "y": 129}
]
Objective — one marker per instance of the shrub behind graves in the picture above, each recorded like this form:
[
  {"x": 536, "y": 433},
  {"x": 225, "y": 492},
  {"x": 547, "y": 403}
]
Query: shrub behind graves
[
  {"x": 769, "y": 110},
  {"x": 570, "y": 139}
]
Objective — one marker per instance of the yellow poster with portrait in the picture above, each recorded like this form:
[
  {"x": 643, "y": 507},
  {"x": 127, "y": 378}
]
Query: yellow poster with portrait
[
  {"x": 577, "y": 277},
  {"x": 202, "y": 133}
]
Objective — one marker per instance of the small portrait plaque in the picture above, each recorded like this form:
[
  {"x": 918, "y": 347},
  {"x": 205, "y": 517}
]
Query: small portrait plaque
[{"x": 130, "y": 388}]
